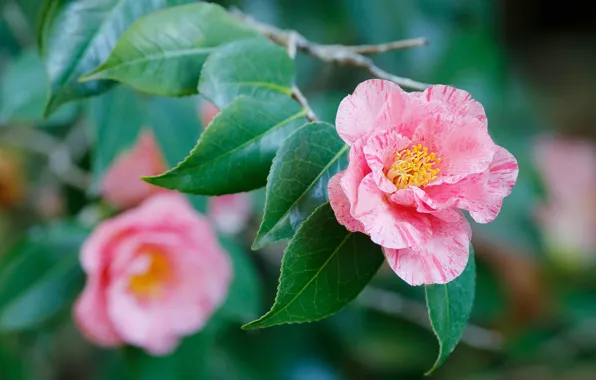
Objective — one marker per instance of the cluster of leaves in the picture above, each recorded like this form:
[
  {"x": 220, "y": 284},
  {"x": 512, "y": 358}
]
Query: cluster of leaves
[{"x": 261, "y": 138}]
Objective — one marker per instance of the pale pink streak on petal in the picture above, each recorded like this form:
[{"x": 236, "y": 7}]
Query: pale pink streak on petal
[
  {"x": 458, "y": 102},
  {"x": 379, "y": 153},
  {"x": 389, "y": 225},
  {"x": 340, "y": 204},
  {"x": 354, "y": 174},
  {"x": 375, "y": 104},
  {"x": 437, "y": 260}
]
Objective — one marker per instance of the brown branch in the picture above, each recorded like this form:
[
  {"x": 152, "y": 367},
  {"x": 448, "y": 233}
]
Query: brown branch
[{"x": 337, "y": 54}]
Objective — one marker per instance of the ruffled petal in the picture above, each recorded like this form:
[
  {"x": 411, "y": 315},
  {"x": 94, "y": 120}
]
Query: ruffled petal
[
  {"x": 481, "y": 194},
  {"x": 439, "y": 259},
  {"x": 463, "y": 145},
  {"x": 341, "y": 205},
  {"x": 354, "y": 174},
  {"x": 374, "y": 104},
  {"x": 379, "y": 153},
  {"x": 388, "y": 225},
  {"x": 457, "y": 102}
]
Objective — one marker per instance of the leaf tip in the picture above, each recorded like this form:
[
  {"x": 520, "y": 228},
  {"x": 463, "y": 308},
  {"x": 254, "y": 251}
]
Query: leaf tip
[{"x": 98, "y": 73}]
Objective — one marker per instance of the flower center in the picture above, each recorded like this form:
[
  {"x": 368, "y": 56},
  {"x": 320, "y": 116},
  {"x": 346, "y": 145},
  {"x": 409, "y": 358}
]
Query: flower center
[
  {"x": 151, "y": 283},
  {"x": 413, "y": 167}
]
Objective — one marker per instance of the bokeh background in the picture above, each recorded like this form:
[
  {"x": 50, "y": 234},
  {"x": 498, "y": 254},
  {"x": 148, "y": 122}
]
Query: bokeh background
[{"x": 532, "y": 64}]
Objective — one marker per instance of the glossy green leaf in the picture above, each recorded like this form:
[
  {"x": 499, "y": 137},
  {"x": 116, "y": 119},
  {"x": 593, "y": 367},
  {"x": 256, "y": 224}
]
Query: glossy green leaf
[
  {"x": 162, "y": 53},
  {"x": 235, "y": 153},
  {"x": 257, "y": 68},
  {"x": 177, "y": 128},
  {"x": 117, "y": 118},
  {"x": 77, "y": 35},
  {"x": 449, "y": 307},
  {"x": 42, "y": 278},
  {"x": 297, "y": 183},
  {"x": 244, "y": 296},
  {"x": 324, "y": 267},
  {"x": 23, "y": 92}
]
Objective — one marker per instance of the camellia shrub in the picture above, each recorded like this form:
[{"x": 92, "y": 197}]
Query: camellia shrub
[{"x": 386, "y": 183}]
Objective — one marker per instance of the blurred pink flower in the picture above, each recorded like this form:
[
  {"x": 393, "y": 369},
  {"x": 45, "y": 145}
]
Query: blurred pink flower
[
  {"x": 122, "y": 186},
  {"x": 207, "y": 111},
  {"x": 568, "y": 220},
  {"x": 230, "y": 213},
  {"x": 416, "y": 159},
  {"x": 155, "y": 273}
]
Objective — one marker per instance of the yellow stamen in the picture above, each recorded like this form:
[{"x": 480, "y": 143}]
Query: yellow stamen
[
  {"x": 151, "y": 283},
  {"x": 414, "y": 167}
]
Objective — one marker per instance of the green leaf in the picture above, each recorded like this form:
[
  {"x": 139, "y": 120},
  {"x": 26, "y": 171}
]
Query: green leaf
[
  {"x": 42, "y": 278},
  {"x": 297, "y": 183},
  {"x": 257, "y": 68},
  {"x": 117, "y": 118},
  {"x": 235, "y": 153},
  {"x": 162, "y": 53},
  {"x": 449, "y": 307},
  {"x": 244, "y": 297},
  {"x": 23, "y": 93},
  {"x": 177, "y": 129},
  {"x": 77, "y": 35},
  {"x": 324, "y": 267}
]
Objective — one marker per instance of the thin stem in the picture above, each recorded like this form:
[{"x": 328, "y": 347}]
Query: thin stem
[
  {"x": 301, "y": 99},
  {"x": 337, "y": 54},
  {"x": 389, "y": 46}
]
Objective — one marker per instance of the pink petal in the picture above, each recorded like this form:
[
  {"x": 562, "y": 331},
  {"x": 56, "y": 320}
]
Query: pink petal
[
  {"x": 388, "y": 224},
  {"x": 379, "y": 153},
  {"x": 91, "y": 317},
  {"x": 207, "y": 111},
  {"x": 341, "y": 205},
  {"x": 230, "y": 213},
  {"x": 354, "y": 174},
  {"x": 481, "y": 194},
  {"x": 122, "y": 186},
  {"x": 457, "y": 102},
  {"x": 463, "y": 145},
  {"x": 374, "y": 104},
  {"x": 437, "y": 260},
  {"x": 157, "y": 324}
]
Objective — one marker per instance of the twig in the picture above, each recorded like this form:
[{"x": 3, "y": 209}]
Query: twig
[
  {"x": 301, "y": 99},
  {"x": 60, "y": 160},
  {"x": 337, "y": 54},
  {"x": 393, "y": 304},
  {"x": 389, "y": 46}
]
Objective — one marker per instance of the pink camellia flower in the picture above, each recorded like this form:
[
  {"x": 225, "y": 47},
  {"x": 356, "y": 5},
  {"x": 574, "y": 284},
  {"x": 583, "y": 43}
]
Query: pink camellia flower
[
  {"x": 568, "y": 219},
  {"x": 122, "y": 186},
  {"x": 416, "y": 159},
  {"x": 155, "y": 273}
]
